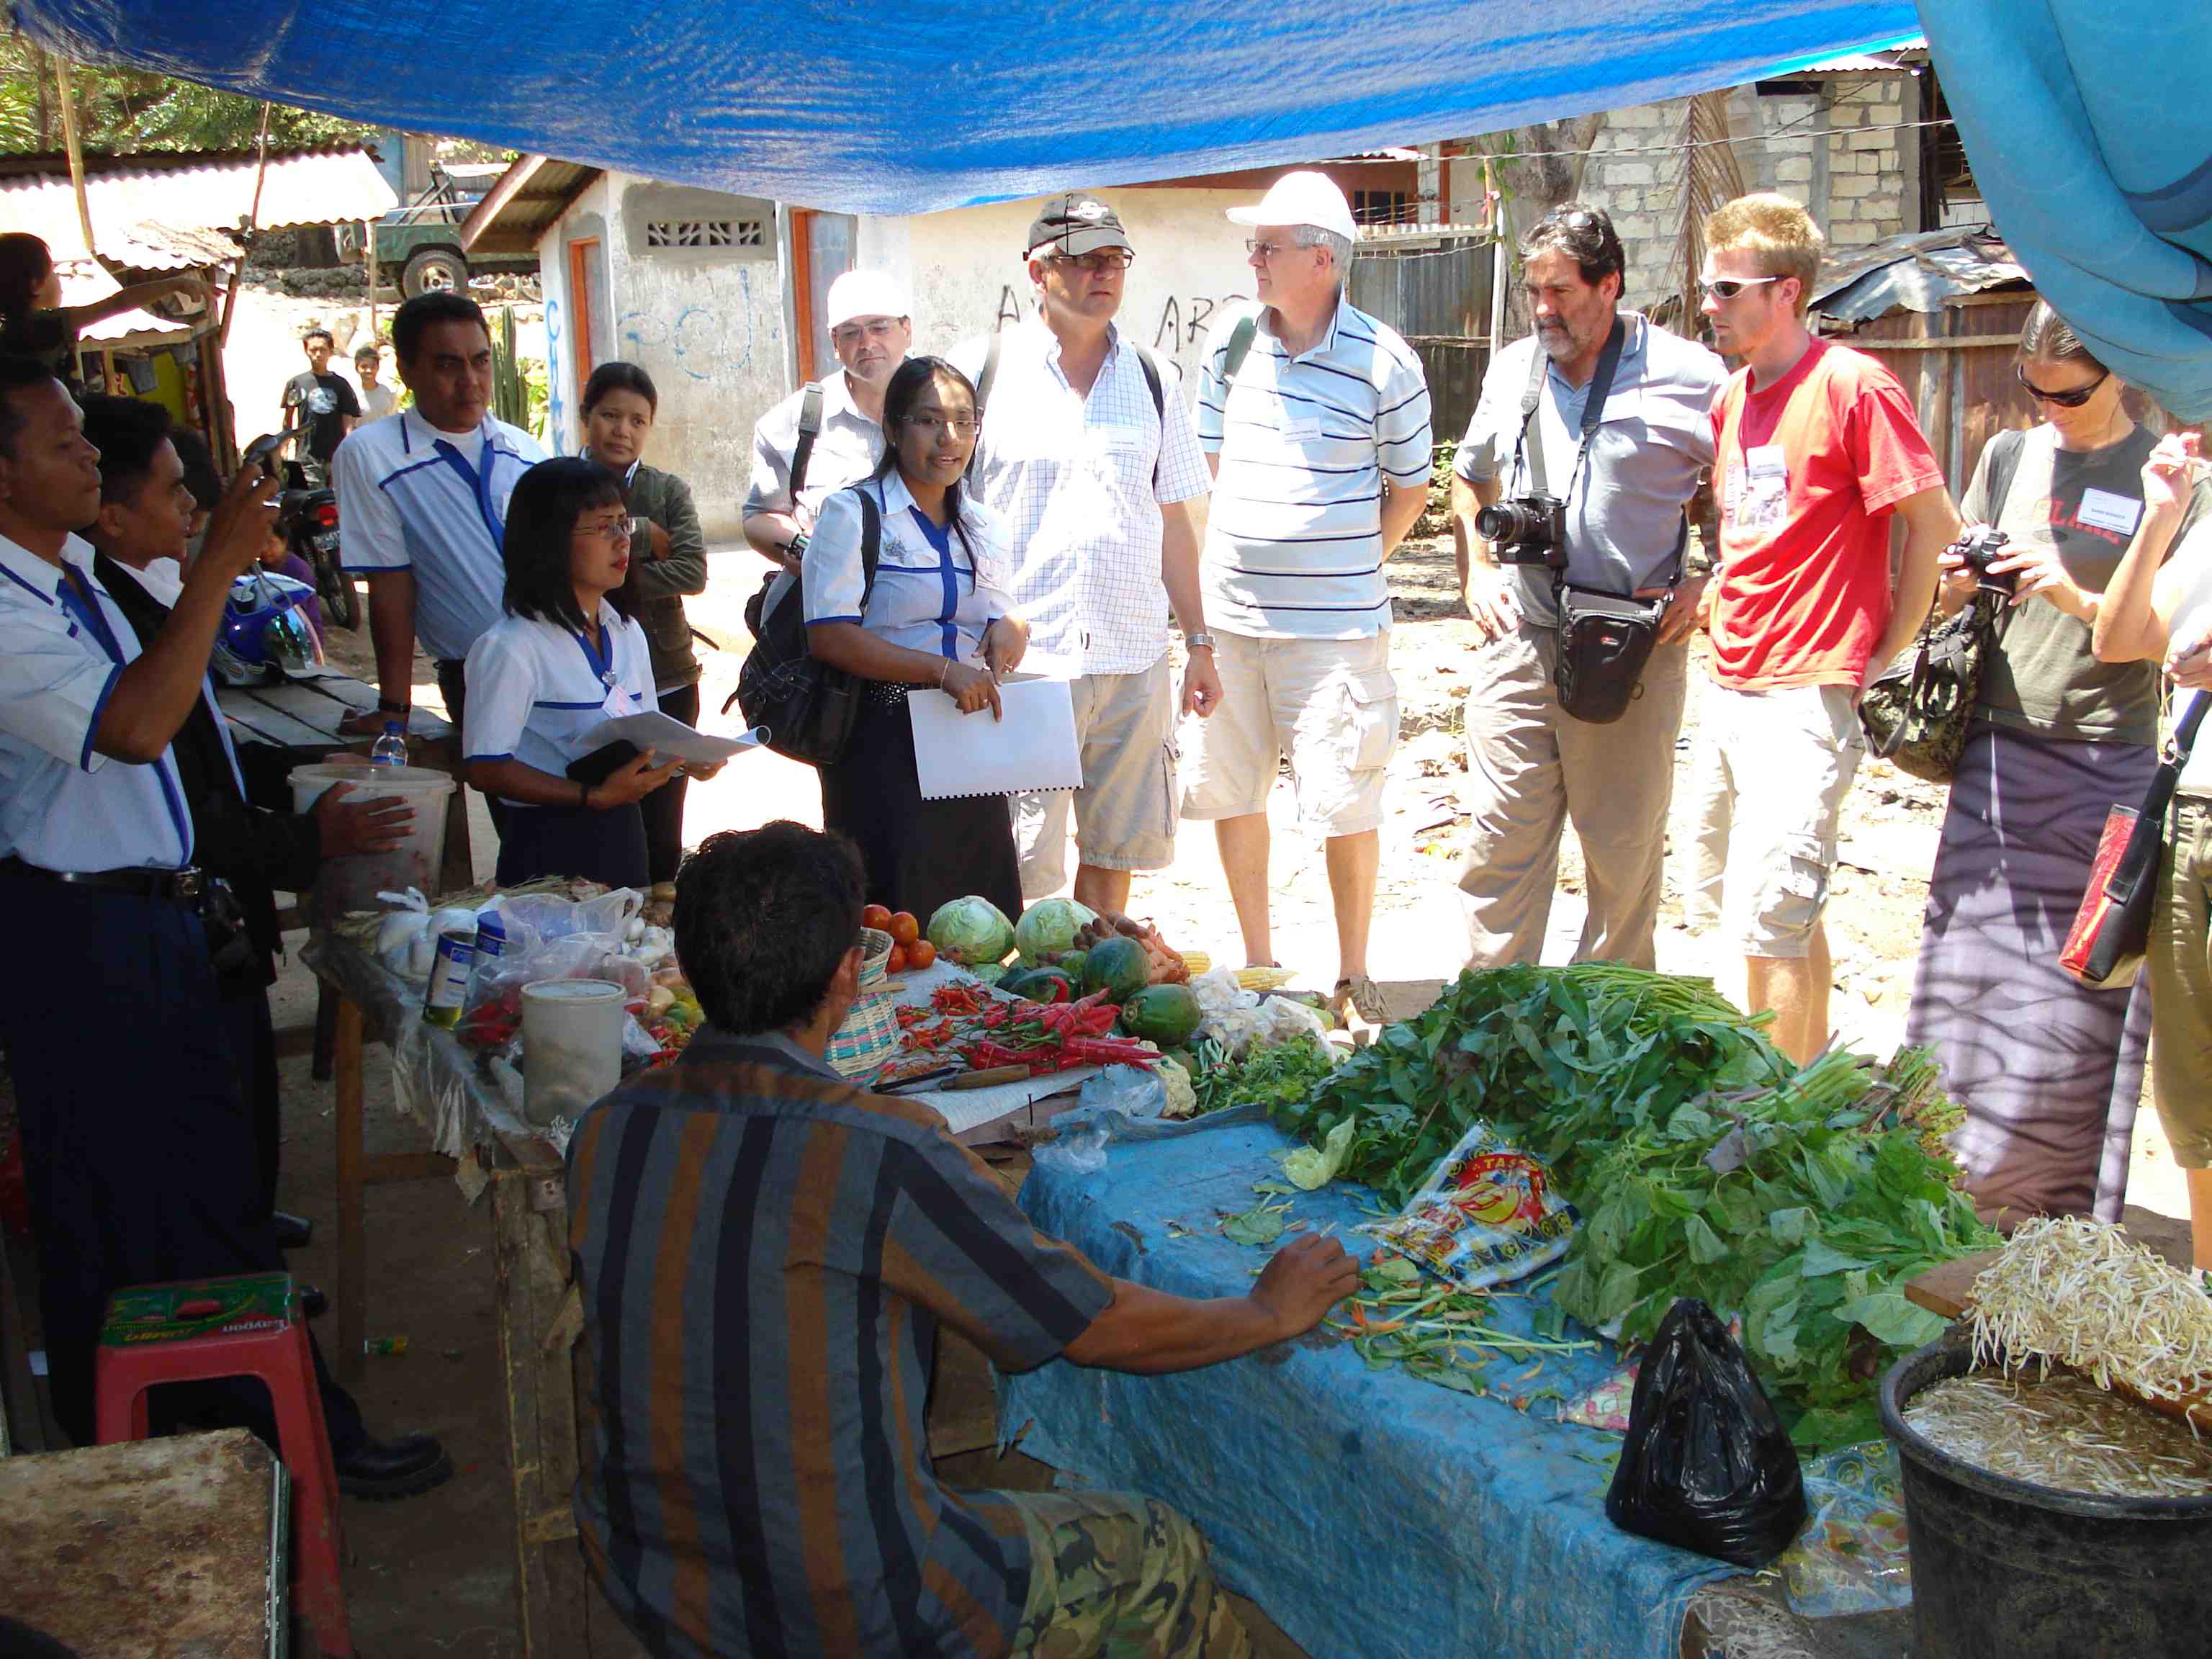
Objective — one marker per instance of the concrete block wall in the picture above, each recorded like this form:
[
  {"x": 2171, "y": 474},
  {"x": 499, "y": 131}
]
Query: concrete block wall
[{"x": 1844, "y": 146}]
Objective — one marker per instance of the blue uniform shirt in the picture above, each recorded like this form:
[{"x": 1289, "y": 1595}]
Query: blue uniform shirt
[
  {"x": 63, "y": 805},
  {"x": 411, "y": 497}
]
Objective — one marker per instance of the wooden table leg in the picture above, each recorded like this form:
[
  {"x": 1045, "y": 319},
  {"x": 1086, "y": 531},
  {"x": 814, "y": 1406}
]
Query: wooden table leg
[
  {"x": 352, "y": 1287},
  {"x": 528, "y": 1212}
]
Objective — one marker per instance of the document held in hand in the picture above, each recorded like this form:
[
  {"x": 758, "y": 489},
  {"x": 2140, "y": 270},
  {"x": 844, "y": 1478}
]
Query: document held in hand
[
  {"x": 670, "y": 740},
  {"x": 1032, "y": 748}
]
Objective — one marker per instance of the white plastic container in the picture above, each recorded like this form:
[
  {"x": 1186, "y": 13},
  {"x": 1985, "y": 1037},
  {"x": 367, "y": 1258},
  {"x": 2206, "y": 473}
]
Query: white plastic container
[
  {"x": 353, "y": 883},
  {"x": 571, "y": 1045}
]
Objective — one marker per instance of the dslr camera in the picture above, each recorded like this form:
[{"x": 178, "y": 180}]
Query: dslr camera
[
  {"x": 1982, "y": 550},
  {"x": 1528, "y": 529}
]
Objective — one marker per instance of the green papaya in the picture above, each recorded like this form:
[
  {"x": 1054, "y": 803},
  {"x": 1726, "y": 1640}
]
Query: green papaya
[
  {"x": 1118, "y": 967},
  {"x": 1165, "y": 1014}
]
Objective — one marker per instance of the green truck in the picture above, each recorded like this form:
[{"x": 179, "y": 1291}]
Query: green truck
[{"x": 418, "y": 245}]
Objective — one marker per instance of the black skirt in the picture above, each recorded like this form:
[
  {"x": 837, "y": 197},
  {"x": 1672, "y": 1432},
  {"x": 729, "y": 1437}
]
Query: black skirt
[
  {"x": 919, "y": 853},
  {"x": 606, "y": 847}
]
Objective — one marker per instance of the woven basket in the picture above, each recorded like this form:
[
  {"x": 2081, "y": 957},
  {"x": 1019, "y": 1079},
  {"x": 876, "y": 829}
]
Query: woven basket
[
  {"x": 875, "y": 956},
  {"x": 869, "y": 1035}
]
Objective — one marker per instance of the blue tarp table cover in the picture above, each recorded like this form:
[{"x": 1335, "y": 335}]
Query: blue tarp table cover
[{"x": 1369, "y": 1513}]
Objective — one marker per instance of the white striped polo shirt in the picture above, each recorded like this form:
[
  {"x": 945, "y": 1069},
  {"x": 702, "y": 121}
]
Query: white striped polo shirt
[{"x": 1294, "y": 541}]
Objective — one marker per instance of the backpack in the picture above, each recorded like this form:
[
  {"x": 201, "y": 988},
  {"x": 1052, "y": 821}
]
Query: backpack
[
  {"x": 1916, "y": 711},
  {"x": 809, "y": 707},
  {"x": 1153, "y": 383}
]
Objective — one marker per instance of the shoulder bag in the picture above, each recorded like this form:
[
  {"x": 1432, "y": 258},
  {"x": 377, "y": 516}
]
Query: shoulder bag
[
  {"x": 1916, "y": 712},
  {"x": 809, "y": 707},
  {"x": 1605, "y": 639},
  {"x": 2112, "y": 930}
]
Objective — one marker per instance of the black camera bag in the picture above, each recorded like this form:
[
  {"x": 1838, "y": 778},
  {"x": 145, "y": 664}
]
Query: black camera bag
[{"x": 1604, "y": 638}]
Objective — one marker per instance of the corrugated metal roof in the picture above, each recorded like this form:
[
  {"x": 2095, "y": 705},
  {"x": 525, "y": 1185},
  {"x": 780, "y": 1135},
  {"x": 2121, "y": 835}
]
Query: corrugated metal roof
[
  {"x": 84, "y": 284},
  {"x": 1914, "y": 272},
  {"x": 156, "y": 210},
  {"x": 528, "y": 199}
]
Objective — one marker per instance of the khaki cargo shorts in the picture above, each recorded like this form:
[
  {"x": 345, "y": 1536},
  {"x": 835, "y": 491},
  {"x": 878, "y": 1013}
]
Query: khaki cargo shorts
[
  {"x": 1768, "y": 786},
  {"x": 2181, "y": 985},
  {"x": 1330, "y": 704},
  {"x": 1124, "y": 813}
]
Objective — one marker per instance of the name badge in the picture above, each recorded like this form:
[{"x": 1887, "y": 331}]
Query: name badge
[
  {"x": 618, "y": 704},
  {"x": 2104, "y": 510},
  {"x": 1118, "y": 440},
  {"x": 1301, "y": 429},
  {"x": 1766, "y": 461}
]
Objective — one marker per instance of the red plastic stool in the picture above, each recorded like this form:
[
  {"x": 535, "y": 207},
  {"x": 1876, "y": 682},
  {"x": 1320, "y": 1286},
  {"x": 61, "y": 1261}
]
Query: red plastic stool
[{"x": 247, "y": 1326}]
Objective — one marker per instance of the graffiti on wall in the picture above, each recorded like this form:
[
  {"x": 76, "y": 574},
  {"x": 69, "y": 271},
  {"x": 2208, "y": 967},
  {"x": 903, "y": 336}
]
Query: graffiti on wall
[
  {"x": 1184, "y": 322},
  {"x": 699, "y": 341},
  {"x": 557, "y": 372}
]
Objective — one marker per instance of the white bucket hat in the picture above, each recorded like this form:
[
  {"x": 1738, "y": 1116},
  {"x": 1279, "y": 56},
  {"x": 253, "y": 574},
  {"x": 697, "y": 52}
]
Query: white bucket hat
[
  {"x": 868, "y": 293},
  {"x": 1300, "y": 198}
]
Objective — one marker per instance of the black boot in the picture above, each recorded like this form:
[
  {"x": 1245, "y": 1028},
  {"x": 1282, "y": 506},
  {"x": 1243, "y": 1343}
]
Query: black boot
[{"x": 398, "y": 1468}]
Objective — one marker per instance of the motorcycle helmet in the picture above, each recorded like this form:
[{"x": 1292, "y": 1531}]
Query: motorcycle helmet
[{"x": 264, "y": 635}]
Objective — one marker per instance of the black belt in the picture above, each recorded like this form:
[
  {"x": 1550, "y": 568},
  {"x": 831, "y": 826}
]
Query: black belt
[{"x": 184, "y": 887}]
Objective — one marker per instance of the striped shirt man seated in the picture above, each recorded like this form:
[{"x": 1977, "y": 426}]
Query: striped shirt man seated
[{"x": 765, "y": 1253}]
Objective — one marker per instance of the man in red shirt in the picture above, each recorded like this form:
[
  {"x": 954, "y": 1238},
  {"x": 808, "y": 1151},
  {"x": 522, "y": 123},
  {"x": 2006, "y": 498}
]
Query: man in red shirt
[{"x": 1816, "y": 446}]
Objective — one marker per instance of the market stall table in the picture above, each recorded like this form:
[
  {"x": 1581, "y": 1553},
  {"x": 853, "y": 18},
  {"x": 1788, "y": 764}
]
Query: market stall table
[
  {"x": 1475, "y": 1527},
  {"x": 481, "y": 1141},
  {"x": 171, "y": 1546}
]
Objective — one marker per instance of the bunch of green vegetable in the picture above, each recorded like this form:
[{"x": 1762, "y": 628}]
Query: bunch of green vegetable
[
  {"x": 1275, "y": 1076},
  {"x": 1703, "y": 1163}
]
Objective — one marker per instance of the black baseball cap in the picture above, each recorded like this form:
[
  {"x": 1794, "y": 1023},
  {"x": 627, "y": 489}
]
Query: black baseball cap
[{"x": 1074, "y": 223}]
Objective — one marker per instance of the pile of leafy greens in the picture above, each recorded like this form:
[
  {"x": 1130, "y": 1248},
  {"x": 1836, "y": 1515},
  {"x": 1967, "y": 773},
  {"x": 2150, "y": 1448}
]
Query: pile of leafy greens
[{"x": 1703, "y": 1163}]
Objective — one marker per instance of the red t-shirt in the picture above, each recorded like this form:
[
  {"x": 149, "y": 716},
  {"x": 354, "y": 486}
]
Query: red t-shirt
[{"x": 1808, "y": 470}]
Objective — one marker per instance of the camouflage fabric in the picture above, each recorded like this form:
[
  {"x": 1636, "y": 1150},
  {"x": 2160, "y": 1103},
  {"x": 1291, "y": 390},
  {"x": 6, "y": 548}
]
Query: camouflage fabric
[{"x": 1119, "y": 1577}]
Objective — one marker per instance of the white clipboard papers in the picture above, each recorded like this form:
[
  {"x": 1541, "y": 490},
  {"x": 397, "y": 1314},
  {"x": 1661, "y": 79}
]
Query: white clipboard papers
[
  {"x": 1033, "y": 748},
  {"x": 670, "y": 739}
]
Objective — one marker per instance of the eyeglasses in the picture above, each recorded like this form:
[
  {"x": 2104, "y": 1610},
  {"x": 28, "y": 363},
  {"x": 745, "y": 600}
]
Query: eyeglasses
[
  {"x": 1099, "y": 262},
  {"x": 848, "y": 334},
  {"x": 2073, "y": 397},
  {"x": 612, "y": 530},
  {"x": 1727, "y": 288},
  {"x": 960, "y": 426},
  {"x": 1268, "y": 250}
]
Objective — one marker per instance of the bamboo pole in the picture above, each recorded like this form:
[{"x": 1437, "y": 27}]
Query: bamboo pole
[
  {"x": 75, "y": 149},
  {"x": 368, "y": 255},
  {"x": 252, "y": 224}
]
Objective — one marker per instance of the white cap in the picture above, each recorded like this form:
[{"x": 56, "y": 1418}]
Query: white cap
[
  {"x": 1300, "y": 198},
  {"x": 866, "y": 294}
]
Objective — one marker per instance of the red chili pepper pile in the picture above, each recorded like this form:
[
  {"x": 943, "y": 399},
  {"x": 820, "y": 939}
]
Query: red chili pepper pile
[{"x": 986, "y": 1032}]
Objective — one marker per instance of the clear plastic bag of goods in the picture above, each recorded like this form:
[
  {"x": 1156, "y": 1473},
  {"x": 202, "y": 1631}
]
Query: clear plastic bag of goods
[
  {"x": 1851, "y": 1557},
  {"x": 1486, "y": 1215}
]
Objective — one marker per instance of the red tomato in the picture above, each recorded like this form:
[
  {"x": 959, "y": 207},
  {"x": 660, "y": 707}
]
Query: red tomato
[
  {"x": 903, "y": 926},
  {"x": 898, "y": 961},
  {"x": 877, "y": 916},
  {"x": 921, "y": 954}
]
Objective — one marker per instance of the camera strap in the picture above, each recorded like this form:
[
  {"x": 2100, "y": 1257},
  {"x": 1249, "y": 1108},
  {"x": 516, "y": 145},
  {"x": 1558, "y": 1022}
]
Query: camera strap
[{"x": 1601, "y": 388}]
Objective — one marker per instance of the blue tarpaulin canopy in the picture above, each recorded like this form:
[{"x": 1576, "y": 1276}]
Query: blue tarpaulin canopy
[
  {"x": 2086, "y": 120},
  {"x": 871, "y": 108}
]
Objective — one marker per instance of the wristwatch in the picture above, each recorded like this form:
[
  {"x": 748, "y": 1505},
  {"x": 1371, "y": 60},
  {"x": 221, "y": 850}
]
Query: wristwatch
[{"x": 1201, "y": 641}]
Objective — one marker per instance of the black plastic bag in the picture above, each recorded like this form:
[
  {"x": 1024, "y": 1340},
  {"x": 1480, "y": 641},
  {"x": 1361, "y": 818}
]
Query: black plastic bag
[{"x": 1707, "y": 1464}]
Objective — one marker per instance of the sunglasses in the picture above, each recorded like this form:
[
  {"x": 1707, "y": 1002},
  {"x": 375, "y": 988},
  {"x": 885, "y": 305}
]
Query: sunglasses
[
  {"x": 1727, "y": 288},
  {"x": 2072, "y": 399}
]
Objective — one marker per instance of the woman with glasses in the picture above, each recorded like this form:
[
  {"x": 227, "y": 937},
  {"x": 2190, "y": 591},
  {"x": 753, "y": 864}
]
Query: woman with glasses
[
  {"x": 936, "y": 615},
  {"x": 563, "y": 658},
  {"x": 2049, "y": 1071},
  {"x": 668, "y": 560}
]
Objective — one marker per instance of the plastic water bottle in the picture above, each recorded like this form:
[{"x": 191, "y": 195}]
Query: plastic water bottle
[{"x": 391, "y": 749}]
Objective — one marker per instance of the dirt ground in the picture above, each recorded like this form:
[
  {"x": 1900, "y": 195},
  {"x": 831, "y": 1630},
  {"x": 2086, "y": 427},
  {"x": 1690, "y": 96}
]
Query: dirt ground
[{"x": 436, "y": 1574}]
